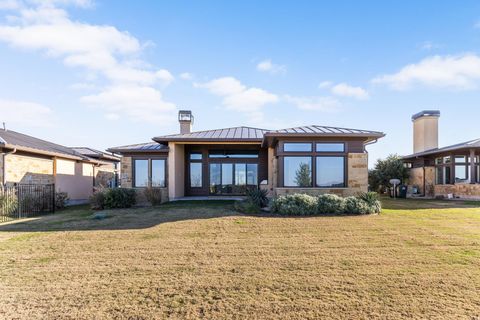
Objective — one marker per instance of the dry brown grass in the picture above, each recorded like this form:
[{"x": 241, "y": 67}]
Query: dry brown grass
[{"x": 206, "y": 261}]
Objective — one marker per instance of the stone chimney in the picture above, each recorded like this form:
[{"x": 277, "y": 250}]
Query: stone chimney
[
  {"x": 425, "y": 130},
  {"x": 185, "y": 118}
]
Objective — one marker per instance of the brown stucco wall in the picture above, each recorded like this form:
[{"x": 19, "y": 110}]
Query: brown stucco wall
[
  {"x": 464, "y": 191},
  {"x": 357, "y": 168},
  {"x": 28, "y": 169}
]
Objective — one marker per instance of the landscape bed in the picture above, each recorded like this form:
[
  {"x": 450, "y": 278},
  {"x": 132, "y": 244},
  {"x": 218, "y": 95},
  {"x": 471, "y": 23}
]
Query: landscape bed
[{"x": 417, "y": 259}]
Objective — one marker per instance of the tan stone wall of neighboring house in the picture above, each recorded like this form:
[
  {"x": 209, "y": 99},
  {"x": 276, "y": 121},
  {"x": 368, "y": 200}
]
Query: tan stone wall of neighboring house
[
  {"x": 416, "y": 179},
  {"x": 126, "y": 172},
  {"x": 104, "y": 174},
  {"x": 463, "y": 191},
  {"x": 357, "y": 168},
  {"x": 28, "y": 169}
]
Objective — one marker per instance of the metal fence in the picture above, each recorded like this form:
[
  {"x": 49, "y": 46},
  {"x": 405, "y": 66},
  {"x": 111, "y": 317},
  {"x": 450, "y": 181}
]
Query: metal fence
[{"x": 26, "y": 200}]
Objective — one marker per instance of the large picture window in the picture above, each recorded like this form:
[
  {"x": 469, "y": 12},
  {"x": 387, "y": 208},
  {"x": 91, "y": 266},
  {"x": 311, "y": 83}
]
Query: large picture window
[
  {"x": 330, "y": 172},
  {"x": 196, "y": 174},
  {"x": 297, "y": 171},
  {"x": 149, "y": 172}
]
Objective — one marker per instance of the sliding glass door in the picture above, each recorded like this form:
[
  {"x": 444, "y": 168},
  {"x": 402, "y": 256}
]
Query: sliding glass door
[{"x": 232, "y": 178}]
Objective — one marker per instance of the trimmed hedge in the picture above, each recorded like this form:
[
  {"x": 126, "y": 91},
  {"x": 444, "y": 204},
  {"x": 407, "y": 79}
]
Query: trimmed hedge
[{"x": 305, "y": 205}]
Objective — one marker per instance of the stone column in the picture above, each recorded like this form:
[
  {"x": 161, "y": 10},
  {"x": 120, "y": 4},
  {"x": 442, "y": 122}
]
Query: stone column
[{"x": 473, "y": 177}]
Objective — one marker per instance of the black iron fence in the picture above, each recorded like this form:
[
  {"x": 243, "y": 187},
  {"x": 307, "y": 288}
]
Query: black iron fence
[{"x": 26, "y": 200}]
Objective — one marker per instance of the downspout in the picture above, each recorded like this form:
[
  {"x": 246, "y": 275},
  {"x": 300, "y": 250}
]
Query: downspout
[{"x": 4, "y": 157}]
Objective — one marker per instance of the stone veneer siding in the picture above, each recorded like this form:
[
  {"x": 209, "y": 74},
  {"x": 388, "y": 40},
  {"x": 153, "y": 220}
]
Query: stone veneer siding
[
  {"x": 357, "y": 168},
  {"x": 463, "y": 191},
  {"x": 28, "y": 169},
  {"x": 416, "y": 179}
]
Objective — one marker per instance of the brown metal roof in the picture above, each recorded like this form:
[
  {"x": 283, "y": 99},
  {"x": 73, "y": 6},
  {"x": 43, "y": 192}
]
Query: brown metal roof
[
  {"x": 140, "y": 147},
  {"x": 322, "y": 130},
  {"x": 227, "y": 134},
  {"x": 472, "y": 144},
  {"x": 15, "y": 140},
  {"x": 95, "y": 154}
]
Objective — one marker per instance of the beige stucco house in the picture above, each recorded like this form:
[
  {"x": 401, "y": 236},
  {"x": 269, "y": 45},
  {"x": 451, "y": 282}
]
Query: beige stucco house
[
  {"x": 28, "y": 160},
  {"x": 224, "y": 162},
  {"x": 451, "y": 171}
]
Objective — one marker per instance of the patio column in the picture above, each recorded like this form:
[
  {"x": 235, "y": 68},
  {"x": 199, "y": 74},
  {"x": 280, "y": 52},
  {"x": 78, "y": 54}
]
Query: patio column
[{"x": 473, "y": 176}]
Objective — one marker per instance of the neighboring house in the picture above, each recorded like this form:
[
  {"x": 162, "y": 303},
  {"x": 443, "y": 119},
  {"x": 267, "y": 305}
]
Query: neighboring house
[
  {"x": 311, "y": 159},
  {"x": 28, "y": 160},
  {"x": 451, "y": 171},
  {"x": 106, "y": 169}
]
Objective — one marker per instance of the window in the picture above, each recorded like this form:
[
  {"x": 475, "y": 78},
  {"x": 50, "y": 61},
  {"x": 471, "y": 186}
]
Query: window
[
  {"x": 462, "y": 168},
  {"x": 297, "y": 171},
  {"x": 149, "y": 172},
  {"x": 252, "y": 174},
  {"x": 297, "y": 147},
  {"x": 443, "y": 175},
  {"x": 141, "y": 173},
  {"x": 330, "y": 172},
  {"x": 330, "y": 147},
  {"x": 158, "y": 173},
  {"x": 240, "y": 174},
  {"x": 233, "y": 154},
  {"x": 195, "y": 156},
  {"x": 196, "y": 174}
]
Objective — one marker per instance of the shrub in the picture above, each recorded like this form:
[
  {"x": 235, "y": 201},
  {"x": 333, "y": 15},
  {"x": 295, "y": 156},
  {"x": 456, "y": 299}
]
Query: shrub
[
  {"x": 330, "y": 203},
  {"x": 97, "y": 200},
  {"x": 61, "y": 199},
  {"x": 355, "y": 205},
  {"x": 258, "y": 196},
  {"x": 246, "y": 206},
  {"x": 295, "y": 204},
  {"x": 119, "y": 198},
  {"x": 153, "y": 195},
  {"x": 371, "y": 198}
]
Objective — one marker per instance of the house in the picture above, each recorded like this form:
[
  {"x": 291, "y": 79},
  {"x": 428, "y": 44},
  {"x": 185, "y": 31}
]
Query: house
[
  {"x": 106, "y": 169},
  {"x": 451, "y": 171},
  {"x": 221, "y": 162},
  {"x": 28, "y": 160}
]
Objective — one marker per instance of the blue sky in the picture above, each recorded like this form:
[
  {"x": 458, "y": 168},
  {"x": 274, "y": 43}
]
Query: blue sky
[{"x": 109, "y": 73}]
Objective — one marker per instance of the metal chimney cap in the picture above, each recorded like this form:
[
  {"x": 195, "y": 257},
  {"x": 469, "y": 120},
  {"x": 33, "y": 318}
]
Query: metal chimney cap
[{"x": 426, "y": 113}]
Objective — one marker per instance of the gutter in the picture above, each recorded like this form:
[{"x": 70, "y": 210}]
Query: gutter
[{"x": 4, "y": 156}]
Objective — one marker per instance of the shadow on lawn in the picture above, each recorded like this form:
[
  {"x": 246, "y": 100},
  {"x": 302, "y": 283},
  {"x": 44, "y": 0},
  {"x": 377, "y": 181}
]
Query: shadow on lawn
[{"x": 81, "y": 218}]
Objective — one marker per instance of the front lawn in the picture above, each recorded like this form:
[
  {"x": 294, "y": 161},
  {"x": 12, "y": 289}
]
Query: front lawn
[{"x": 418, "y": 259}]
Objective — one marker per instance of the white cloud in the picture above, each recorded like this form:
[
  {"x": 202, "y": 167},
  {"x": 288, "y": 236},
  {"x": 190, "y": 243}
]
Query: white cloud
[
  {"x": 345, "y": 90},
  {"x": 237, "y": 96},
  {"x": 112, "y": 116},
  {"x": 103, "y": 51},
  {"x": 119, "y": 99},
  {"x": 186, "y": 76},
  {"x": 429, "y": 45},
  {"x": 24, "y": 113},
  {"x": 9, "y": 4},
  {"x": 452, "y": 72},
  {"x": 325, "y": 84},
  {"x": 270, "y": 67},
  {"x": 327, "y": 104}
]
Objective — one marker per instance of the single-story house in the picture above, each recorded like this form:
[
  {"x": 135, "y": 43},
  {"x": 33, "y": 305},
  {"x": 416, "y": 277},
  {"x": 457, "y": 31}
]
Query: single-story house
[
  {"x": 28, "y": 160},
  {"x": 451, "y": 171},
  {"x": 221, "y": 162}
]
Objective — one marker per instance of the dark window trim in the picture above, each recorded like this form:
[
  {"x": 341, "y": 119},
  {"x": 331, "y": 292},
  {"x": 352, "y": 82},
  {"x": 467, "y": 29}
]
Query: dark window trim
[
  {"x": 149, "y": 159},
  {"x": 312, "y": 162}
]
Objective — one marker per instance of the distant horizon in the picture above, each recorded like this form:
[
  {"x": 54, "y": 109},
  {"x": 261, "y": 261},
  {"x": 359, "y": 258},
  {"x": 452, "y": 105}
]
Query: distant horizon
[{"x": 102, "y": 74}]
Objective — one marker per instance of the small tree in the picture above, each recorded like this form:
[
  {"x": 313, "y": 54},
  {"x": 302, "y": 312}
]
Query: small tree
[
  {"x": 390, "y": 168},
  {"x": 303, "y": 176}
]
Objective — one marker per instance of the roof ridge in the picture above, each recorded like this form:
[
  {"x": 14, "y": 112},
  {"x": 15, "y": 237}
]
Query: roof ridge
[{"x": 217, "y": 129}]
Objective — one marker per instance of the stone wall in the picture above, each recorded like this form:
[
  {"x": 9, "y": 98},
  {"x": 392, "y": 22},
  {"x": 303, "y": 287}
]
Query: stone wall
[
  {"x": 126, "y": 172},
  {"x": 357, "y": 168},
  {"x": 142, "y": 200},
  {"x": 28, "y": 169},
  {"x": 1, "y": 168},
  {"x": 463, "y": 191},
  {"x": 416, "y": 180},
  {"x": 104, "y": 174}
]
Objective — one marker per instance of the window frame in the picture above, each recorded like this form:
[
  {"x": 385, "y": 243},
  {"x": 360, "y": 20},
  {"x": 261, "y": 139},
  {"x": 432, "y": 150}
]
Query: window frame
[
  {"x": 311, "y": 169},
  {"x": 345, "y": 169},
  {"x": 339, "y": 143},
  {"x": 313, "y": 154},
  {"x": 298, "y": 142},
  {"x": 149, "y": 175}
]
